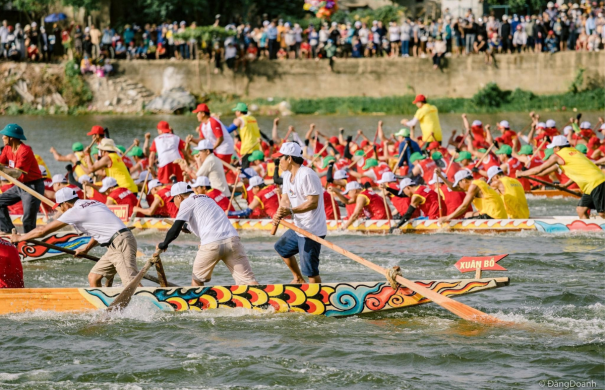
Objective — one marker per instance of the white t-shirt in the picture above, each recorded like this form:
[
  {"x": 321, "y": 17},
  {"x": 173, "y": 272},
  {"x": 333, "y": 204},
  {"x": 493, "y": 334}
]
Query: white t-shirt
[
  {"x": 394, "y": 33},
  {"x": 306, "y": 182},
  {"x": 206, "y": 219},
  {"x": 213, "y": 169},
  {"x": 94, "y": 219},
  {"x": 227, "y": 146},
  {"x": 167, "y": 146}
]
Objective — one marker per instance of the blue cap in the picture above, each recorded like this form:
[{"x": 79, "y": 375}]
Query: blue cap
[{"x": 13, "y": 130}]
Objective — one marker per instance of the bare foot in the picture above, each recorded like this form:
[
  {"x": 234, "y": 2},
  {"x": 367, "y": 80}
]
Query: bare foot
[{"x": 298, "y": 281}]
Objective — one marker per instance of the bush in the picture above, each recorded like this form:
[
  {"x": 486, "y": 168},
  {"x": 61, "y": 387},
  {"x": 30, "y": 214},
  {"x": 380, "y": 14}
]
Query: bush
[
  {"x": 75, "y": 91},
  {"x": 491, "y": 96}
]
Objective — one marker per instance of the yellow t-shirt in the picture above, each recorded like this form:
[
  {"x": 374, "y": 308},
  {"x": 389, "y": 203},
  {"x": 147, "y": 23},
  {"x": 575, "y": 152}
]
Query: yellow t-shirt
[
  {"x": 78, "y": 169},
  {"x": 581, "y": 170},
  {"x": 514, "y": 198},
  {"x": 119, "y": 172},
  {"x": 249, "y": 133},
  {"x": 40, "y": 161},
  {"x": 428, "y": 118},
  {"x": 490, "y": 203}
]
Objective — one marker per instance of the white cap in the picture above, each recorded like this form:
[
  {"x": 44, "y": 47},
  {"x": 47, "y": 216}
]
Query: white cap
[
  {"x": 558, "y": 140},
  {"x": 541, "y": 125},
  {"x": 65, "y": 194},
  {"x": 340, "y": 174},
  {"x": 585, "y": 125},
  {"x": 291, "y": 149},
  {"x": 436, "y": 179},
  {"x": 551, "y": 123},
  {"x": 152, "y": 184},
  {"x": 204, "y": 145},
  {"x": 142, "y": 176},
  {"x": 42, "y": 170},
  {"x": 179, "y": 188},
  {"x": 461, "y": 175},
  {"x": 255, "y": 181},
  {"x": 567, "y": 130},
  {"x": 493, "y": 171},
  {"x": 201, "y": 181},
  {"x": 58, "y": 178},
  {"x": 84, "y": 179},
  {"x": 477, "y": 123},
  {"x": 387, "y": 177},
  {"x": 406, "y": 182},
  {"x": 108, "y": 183},
  {"x": 354, "y": 185},
  {"x": 505, "y": 124},
  {"x": 602, "y": 127},
  {"x": 248, "y": 173}
]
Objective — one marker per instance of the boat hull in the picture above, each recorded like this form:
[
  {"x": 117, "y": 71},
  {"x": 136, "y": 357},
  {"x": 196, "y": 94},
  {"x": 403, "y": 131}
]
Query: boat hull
[
  {"x": 552, "y": 194},
  {"x": 328, "y": 299},
  {"x": 68, "y": 240}
]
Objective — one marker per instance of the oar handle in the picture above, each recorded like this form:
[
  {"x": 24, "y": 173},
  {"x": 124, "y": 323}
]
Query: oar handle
[
  {"x": 579, "y": 195},
  {"x": 274, "y": 229},
  {"x": 27, "y": 189}
]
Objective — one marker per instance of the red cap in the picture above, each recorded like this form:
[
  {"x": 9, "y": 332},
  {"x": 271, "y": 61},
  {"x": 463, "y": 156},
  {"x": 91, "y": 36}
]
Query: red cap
[
  {"x": 201, "y": 108},
  {"x": 164, "y": 127},
  {"x": 364, "y": 143},
  {"x": 419, "y": 99},
  {"x": 96, "y": 130},
  {"x": 334, "y": 140},
  {"x": 433, "y": 145}
]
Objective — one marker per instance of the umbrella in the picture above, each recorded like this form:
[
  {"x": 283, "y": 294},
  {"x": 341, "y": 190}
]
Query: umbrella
[{"x": 53, "y": 18}]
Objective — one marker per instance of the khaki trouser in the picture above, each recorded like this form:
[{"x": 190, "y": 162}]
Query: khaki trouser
[
  {"x": 121, "y": 257},
  {"x": 231, "y": 252}
]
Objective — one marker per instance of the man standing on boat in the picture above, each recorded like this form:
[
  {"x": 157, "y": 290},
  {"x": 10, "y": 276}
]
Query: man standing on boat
[
  {"x": 249, "y": 132},
  {"x": 105, "y": 228},
  {"x": 580, "y": 170},
  {"x": 427, "y": 116},
  {"x": 218, "y": 238},
  {"x": 302, "y": 199}
]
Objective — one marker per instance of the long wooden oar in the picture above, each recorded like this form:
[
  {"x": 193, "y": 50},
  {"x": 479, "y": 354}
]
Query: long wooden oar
[
  {"x": 534, "y": 154},
  {"x": 400, "y": 157},
  {"x": 387, "y": 209},
  {"x": 134, "y": 215},
  {"x": 25, "y": 188},
  {"x": 460, "y": 309},
  {"x": 575, "y": 193},
  {"x": 237, "y": 173}
]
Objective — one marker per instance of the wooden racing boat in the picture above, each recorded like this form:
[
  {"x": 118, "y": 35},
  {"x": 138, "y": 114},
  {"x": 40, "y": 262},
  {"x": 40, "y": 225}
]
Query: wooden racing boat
[
  {"x": 552, "y": 194},
  {"x": 329, "y": 299}
]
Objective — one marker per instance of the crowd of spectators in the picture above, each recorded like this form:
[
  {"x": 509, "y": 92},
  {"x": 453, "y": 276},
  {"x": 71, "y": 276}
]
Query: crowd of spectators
[{"x": 559, "y": 28}]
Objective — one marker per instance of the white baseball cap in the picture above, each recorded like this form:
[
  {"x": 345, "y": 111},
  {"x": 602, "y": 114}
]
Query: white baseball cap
[
  {"x": 255, "y": 181},
  {"x": 340, "y": 174},
  {"x": 387, "y": 177},
  {"x": 58, "y": 178},
  {"x": 63, "y": 195},
  {"x": 42, "y": 170},
  {"x": 504, "y": 124},
  {"x": 541, "y": 125},
  {"x": 461, "y": 175},
  {"x": 354, "y": 185},
  {"x": 152, "y": 184},
  {"x": 145, "y": 175},
  {"x": 108, "y": 183},
  {"x": 602, "y": 127},
  {"x": 84, "y": 179},
  {"x": 291, "y": 149},
  {"x": 406, "y": 182},
  {"x": 201, "y": 181},
  {"x": 436, "y": 179},
  {"x": 551, "y": 123},
  {"x": 493, "y": 171},
  {"x": 567, "y": 130},
  {"x": 179, "y": 188},
  {"x": 248, "y": 173},
  {"x": 477, "y": 123},
  {"x": 204, "y": 145},
  {"x": 585, "y": 125},
  {"x": 558, "y": 140}
]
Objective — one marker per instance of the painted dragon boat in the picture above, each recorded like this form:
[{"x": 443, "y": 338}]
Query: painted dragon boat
[
  {"x": 329, "y": 299},
  {"x": 64, "y": 239}
]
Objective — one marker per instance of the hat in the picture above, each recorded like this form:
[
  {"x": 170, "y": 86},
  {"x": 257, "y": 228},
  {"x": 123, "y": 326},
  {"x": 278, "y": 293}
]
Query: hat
[
  {"x": 63, "y": 195},
  {"x": 135, "y": 152},
  {"x": 84, "y": 179},
  {"x": 201, "y": 108},
  {"x": 354, "y": 185},
  {"x": 436, "y": 156},
  {"x": 334, "y": 140},
  {"x": 582, "y": 148},
  {"x": 108, "y": 182},
  {"x": 526, "y": 150},
  {"x": 482, "y": 150},
  {"x": 405, "y": 183},
  {"x": 387, "y": 177},
  {"x": 558, "y": 140},
  {"x": 419, "y": 99},
  {"x": 464, "y": 156},
  {"x": 14, "y": 131},
  {"x": 145, "y": 175},
  {"x": 585, "y": 125},
  {"x": 505, "y": 149},
  {"x": 204, "y": 145},
  {"x": 256, "y": 155},
  {"x": 477, "y": 123},
  {"x": 340, "y": 174},
  {"x": 241, "y": 107},
  {"x": 370, "y": 162},
  {"x": 602, "y": 127},
  {"x": 58, "y": 178},
  {"x": 436, "y": 179},
  {"x": 504, "y": 124},
  {"x": 121, "y": 148},
  {"x": 42, "y": 169},
  {"x": 493, "y": 171},
  {"x": 567, "y": 130},
  {"x": 326, "y": 161},
  {"x": 403, "y": 133},
  {"x": 255, "y": 181},
  {"x": 178, "y": 189},
  {"x": 163, "y": 126},
  {"x": 359, "y": 153},
  {"x": 77, "y": 147},
  {"x": 201, "y": 181},
  {"x": 152, "y": 184},
  {"x": 461, "y": 175},
  {"x": 416, "y": 156},
  {"x": 433, "y": 145},
  {"x": 289, "y": 148},
  {"x": 96, "y": 130},
  {"x": 551, "y": 123},
  {"x": 248, "y": 173},
  {"x": 108, "y": 145}
]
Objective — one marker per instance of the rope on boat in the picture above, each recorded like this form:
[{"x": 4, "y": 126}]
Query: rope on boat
[{"x": 391, "y": 275}]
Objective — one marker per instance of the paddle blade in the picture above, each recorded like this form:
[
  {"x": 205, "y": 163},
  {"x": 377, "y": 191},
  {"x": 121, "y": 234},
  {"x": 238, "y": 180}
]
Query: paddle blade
[{"x": 125, "y": 296}]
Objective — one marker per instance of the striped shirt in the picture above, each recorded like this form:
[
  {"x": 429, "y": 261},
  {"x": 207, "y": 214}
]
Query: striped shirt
[{"x": 205, "y": 219}]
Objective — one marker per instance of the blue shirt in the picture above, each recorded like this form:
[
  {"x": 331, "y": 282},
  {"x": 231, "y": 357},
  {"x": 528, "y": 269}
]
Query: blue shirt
[
  {"x": 272, "y": 32},
  {"x": 408, "y": 153}
]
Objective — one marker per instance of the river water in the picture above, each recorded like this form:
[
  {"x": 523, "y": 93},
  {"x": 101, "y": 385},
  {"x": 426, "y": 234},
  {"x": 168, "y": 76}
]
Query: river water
[{"x": 555, "y": 300}]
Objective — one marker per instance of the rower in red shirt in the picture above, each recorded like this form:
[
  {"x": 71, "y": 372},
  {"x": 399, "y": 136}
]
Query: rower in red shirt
[
  {"x": 160, "y": 206},
  {"x": 20, "y": 156},
  {"x": 265, "y": 199},
  {"x": 401, "y": 203},
  {"x": 368, "y": 202},
  {"x": 352, "y": 188},
  {"x": 213, "y": 130},
  {"x": 452, "y": 199},
  {"x": 11, "y": 270},
  {"x": 423, "y": 198},
  {"x": 202, "y": 186},
  {"x": 168, "y": 148},
  {"x": 422, "y": 166},
  {"x": 118, "y": 195},
  {"x": 60, "y": 181},
  {"x": 510, "y": 165}
]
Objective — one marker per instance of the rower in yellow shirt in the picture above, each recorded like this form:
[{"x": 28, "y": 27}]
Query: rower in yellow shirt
[
  {"x": 249, "y": 132},
  {"x": 427, "y": 116},
  {"x": 113, "y": 165},
  {"x": 580, "y": 170},
  {"x": 513, "y": 194}
]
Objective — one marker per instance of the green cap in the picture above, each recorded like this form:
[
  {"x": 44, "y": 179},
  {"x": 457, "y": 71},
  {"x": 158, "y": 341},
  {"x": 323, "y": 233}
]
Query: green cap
[
  {"x": 482, "y": 150},
  {"x": 14, "y": 131},
  {"x": 436, "y": 156},
  {"x": 94, "y": 149},
  {"x": 582, "y": 148},
  {"x": 526, "y": 150},
  {"x": 505, "y": 149},
  {"x": 240, "y": 107},
  {"x": 464, "y": 156},
  {"x": 359, "y": 153},
  {"x": 403, "y": 133},
  {"x": 135, "y": 152},
  {"x": 256, "y": 155},
  {"x": 370, "y": 162},
  {"x": 121, "y": 148},
  {"x": 416, "y": 156},
  {"x": 326, "y": 161},
  {"x": 77, "y": 147},
  {"x": 548, "y": 153},
  {"x": 194, "y": 152}
]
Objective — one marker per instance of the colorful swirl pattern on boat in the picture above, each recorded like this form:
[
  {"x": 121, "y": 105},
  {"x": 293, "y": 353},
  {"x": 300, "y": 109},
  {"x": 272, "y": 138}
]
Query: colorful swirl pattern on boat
[{"x": 29, "y": 251}]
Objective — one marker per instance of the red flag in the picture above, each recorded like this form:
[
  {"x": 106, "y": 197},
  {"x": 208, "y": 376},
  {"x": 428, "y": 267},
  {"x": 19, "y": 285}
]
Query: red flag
[{"x": 487, "y": 263}]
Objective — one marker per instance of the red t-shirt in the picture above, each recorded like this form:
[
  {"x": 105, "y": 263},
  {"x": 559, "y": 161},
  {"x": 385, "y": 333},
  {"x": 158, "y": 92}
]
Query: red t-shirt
[
  {"x": 220, "y": 199},
  {"x": 11, "y": 270},
  {"x": 217, "y": 130},
  {"x": 269, "y": 200},
  {"x": 452, "y": 199},
  {"x": 24, "y": 160},
  {"x": 124, "y": 196},
  {"x": 374, "y": 208},
  {"x": 429, "y": 205},
  {"x": 166, "y": 208},
  {"x": 328, "y": 207},
  {"x": 99, "y": 197}
]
